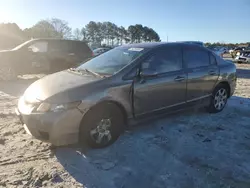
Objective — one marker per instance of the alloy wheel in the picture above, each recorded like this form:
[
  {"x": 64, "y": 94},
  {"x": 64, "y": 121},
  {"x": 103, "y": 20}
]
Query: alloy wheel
[
  {"x": 101, "y": 134},
  {"x": 220, "y": 99}
]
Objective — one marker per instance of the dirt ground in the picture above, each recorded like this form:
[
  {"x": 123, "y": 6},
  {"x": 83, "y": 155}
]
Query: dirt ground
[{"x": 189, "y": 149}]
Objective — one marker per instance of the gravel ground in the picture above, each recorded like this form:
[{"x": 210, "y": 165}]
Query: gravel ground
[{"x": 189, "y": 149}]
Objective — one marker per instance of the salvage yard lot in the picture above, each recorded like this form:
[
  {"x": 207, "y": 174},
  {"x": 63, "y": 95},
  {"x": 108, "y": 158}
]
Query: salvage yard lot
[{"x": 188, "y": 149}]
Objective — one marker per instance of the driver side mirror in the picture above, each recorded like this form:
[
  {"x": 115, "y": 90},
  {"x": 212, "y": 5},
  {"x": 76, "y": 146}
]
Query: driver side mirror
[{"x": 146, "y": 73}]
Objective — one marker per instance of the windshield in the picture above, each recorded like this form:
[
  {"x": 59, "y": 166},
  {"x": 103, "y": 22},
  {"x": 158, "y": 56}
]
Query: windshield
[
  {"x": 112, "y": 61},
  {"x": 21, "y": 45}
]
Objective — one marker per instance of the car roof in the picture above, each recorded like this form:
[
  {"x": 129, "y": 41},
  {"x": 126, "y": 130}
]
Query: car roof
[
  {"x": 144, "y": 45},
  {"x": 157, "y": 44},
  {"x": 56, "y": 39}
]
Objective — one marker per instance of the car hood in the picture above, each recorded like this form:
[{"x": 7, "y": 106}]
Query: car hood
[{"x": 56, "y": 83}]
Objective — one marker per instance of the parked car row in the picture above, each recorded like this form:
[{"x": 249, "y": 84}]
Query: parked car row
[
  {"x": 94, "y": 102},
  {"x": 243, "y": 57}
]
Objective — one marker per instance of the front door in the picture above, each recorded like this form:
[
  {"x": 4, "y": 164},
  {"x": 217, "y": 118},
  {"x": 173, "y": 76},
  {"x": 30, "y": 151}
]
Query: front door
[
  {"x": 166, "y": 87},
  {"x": 202, "y": 71}
]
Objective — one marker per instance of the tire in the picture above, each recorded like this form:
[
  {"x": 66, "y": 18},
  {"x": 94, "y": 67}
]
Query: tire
[
  {"x": 218, "y": 99},
  {"x": 7, "y": 73},
  {"x": 101, "y": 126}
]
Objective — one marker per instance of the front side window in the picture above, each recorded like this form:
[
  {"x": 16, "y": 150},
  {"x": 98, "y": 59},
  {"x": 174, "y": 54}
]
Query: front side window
[
  {"x": 39, "y": 47},
  {"x": 164, "y": 60},
  {"x": 195, "y": 58},
  {"x": 112, "y": 61}
]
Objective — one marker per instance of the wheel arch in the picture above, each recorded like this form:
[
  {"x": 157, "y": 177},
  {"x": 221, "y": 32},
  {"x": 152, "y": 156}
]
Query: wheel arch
[
  {"x": 82, "y": 138},
  {"x": 227, "y": 85},
  {"x": 106, "y": 102}
]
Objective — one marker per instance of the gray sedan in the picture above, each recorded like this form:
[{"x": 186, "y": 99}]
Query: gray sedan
[{"x": 95, "y": 102}]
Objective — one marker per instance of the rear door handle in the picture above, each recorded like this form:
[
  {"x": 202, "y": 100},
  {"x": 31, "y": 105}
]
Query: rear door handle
[{"x": 179, "y": 78}]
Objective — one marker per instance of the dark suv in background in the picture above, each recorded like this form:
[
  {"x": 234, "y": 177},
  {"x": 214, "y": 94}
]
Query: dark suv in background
[{"x": 42, "y": 56}]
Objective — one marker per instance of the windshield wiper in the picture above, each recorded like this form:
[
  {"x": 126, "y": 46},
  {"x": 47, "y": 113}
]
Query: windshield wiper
[
  {"x": 94, "y": 73},
  {"x": 86, "y": 70}
]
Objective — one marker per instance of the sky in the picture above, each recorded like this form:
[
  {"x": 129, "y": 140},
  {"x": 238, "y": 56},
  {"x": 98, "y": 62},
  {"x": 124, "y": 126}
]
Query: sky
[{"x": 174, "y": 20}]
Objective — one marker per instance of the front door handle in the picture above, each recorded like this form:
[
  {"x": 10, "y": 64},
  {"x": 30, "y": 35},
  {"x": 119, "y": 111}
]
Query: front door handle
[{"x": 179, "y": 78}]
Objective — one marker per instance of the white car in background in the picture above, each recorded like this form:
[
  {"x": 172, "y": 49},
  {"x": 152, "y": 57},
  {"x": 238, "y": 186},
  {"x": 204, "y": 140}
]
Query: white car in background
[{"x": 243, "y": 57}]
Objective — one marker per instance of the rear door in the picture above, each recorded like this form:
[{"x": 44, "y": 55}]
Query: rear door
[
  {"x": 167, "y": 88},
  {"x": 202, "y": 71}
]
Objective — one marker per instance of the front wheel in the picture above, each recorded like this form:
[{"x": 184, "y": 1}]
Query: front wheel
[
  {"x": 102, "y": 126},
  {"x": 219, "y": 99}
]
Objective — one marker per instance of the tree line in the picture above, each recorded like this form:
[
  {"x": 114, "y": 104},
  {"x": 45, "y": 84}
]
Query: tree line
[
  {"x": 95, "y": 33},
  {"x": 229, "y": 45}
]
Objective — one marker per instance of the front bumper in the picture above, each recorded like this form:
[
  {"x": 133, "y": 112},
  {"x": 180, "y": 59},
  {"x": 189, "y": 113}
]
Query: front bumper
[{"x": 58, "y": 128}]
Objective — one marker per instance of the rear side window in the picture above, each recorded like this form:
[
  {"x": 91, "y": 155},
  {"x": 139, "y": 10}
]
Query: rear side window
[
  {"x": 80, "y": 47},
  {"x": 55, "y": 46},
  {"x": 69, "y": 47},
  {"x": 66, "y": 46},
  {"x": 194, "y": 57},
  {"x": 164, "y": 60}
]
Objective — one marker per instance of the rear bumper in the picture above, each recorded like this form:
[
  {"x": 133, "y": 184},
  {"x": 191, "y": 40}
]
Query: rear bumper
[{"x": 58, "y": 128}]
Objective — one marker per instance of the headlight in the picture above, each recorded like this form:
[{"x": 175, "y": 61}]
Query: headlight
[{"x": 45, "y": 107}]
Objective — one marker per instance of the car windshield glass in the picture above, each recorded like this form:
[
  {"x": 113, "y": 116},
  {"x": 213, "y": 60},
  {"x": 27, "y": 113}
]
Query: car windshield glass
[
  {"x": 112, "y": 61},
  {"x": 21, "y": 45}
]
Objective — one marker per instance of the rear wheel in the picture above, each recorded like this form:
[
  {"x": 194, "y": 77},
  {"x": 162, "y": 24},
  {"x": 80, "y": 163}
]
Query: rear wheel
[
  {"x": 219, "y": 99},
  {"x": 7, "y": 73},
  {"x": 102, "y": 126}
]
